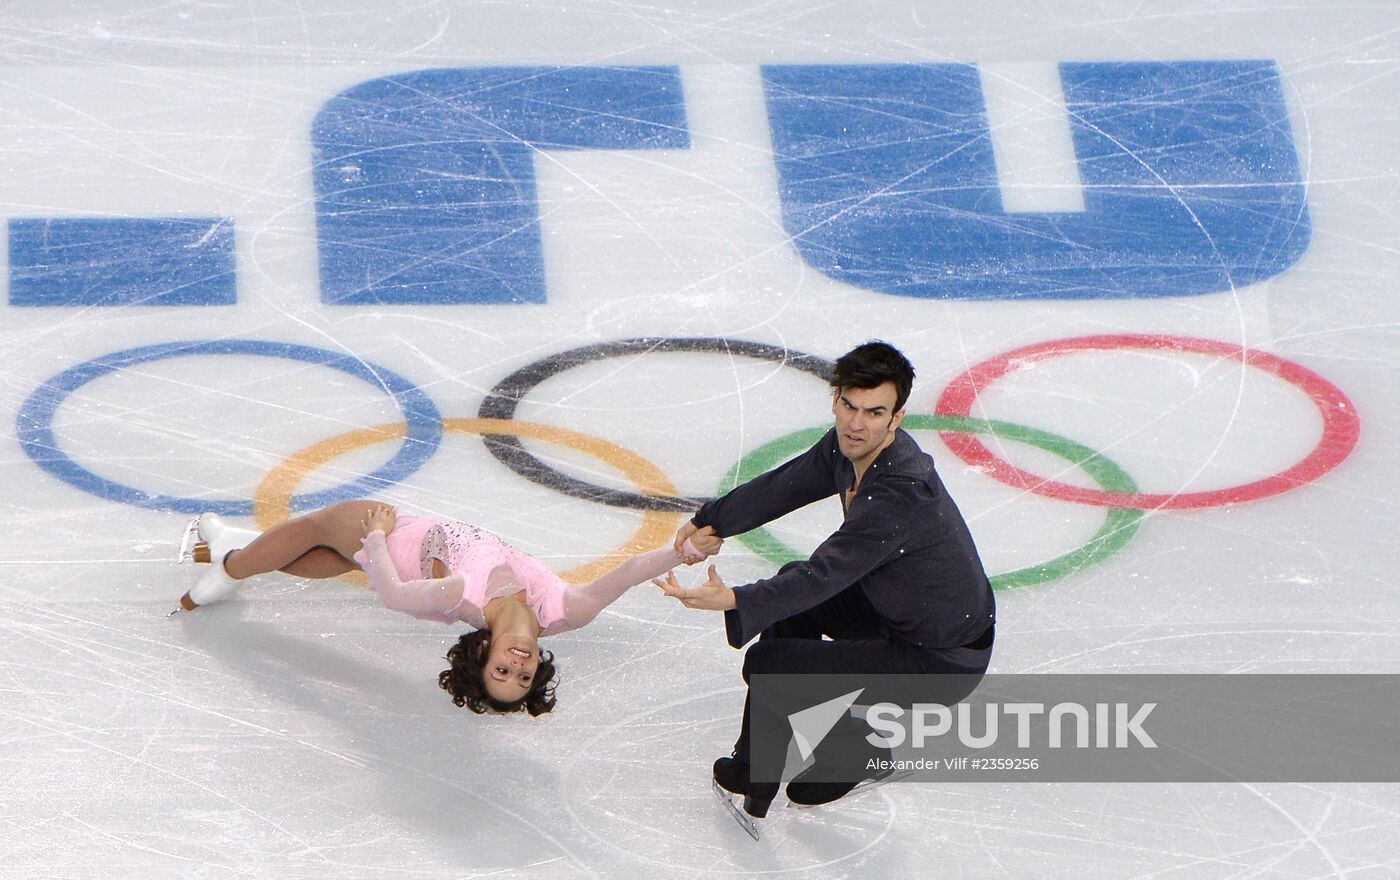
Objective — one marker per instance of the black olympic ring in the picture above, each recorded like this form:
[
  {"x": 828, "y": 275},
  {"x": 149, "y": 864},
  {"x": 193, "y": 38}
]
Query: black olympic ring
[{"x": 506, "y": 396}]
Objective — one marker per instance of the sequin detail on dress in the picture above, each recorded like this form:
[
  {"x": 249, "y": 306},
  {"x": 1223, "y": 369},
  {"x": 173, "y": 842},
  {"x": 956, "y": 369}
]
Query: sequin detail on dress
[{"x": 465, "y": 548}]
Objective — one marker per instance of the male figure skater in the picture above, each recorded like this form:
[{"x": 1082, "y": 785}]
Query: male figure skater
[{"x": 898, "y": 588}]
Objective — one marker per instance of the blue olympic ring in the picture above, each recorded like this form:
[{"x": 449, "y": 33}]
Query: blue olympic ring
[{"x": 36, "y": 435}]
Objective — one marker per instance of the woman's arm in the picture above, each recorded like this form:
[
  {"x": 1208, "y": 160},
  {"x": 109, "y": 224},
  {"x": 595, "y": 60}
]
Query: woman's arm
[
  {"x": 583, "y": 601},
  {"x": 439, "y": 599}
]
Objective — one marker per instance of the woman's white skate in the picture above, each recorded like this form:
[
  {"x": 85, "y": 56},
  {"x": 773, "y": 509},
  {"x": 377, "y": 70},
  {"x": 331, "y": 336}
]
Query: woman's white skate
[
  {"x": 208, "y": 539},
  {"x": 193, "y": 547}
]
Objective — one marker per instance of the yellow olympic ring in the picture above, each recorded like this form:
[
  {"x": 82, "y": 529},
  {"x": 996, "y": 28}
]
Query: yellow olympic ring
[{"x": 272, "y": 501}]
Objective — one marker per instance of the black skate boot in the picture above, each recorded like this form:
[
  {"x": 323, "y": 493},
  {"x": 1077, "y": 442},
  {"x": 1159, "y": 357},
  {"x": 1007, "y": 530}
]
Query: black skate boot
[
  {"x": 732, "y": 775},
  {"x": 838, "y": 776}
]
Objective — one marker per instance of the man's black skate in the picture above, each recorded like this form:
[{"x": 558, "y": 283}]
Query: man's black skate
[
  {"x": 732, "y": 775},
  {"x": 823, "y": 783}
]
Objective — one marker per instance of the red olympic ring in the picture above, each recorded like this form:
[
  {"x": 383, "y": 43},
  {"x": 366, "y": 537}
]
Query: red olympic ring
[{"x": 1341, "y": 427}]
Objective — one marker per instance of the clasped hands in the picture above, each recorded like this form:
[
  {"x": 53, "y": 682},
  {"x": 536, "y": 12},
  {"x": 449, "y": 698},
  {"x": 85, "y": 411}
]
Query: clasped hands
[{"x": 712, "y": 595}]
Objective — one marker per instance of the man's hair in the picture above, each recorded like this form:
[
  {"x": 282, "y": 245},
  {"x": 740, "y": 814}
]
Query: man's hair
[{"x": 872, "y": 365}]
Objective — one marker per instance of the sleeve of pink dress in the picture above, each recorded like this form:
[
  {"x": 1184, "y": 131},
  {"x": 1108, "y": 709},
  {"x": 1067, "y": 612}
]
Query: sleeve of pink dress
[
  {"x": 583, "y": 601},
  {"x": 440, "y": 599}
]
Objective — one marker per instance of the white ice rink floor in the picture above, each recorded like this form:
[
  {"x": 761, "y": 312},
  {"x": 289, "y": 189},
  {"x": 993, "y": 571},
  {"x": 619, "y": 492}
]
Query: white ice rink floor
[{"x": 240, "y": 234}]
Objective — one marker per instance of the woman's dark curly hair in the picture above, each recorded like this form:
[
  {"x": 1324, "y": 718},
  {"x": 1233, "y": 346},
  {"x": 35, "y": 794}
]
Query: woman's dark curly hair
[{"x": 464, "y": 680}]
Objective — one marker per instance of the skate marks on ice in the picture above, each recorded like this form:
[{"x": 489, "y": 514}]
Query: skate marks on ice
[
  {"x": 641, "y": 785},
  {"x": 733, "y": 804}
]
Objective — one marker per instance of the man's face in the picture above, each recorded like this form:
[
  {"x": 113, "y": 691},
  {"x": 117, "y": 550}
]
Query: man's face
[{"x": 865, "y": 421}]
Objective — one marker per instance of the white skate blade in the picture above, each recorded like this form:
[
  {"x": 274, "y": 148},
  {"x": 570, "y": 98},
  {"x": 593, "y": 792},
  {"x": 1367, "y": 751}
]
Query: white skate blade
[
  {"x": 860, "y": 789},
  {"x": 745, "y": 821},
  {"x": 187, "y": 542}
]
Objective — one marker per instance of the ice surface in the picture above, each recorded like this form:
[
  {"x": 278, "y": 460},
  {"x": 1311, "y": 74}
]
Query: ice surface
[{"x": 297, "y": 731}]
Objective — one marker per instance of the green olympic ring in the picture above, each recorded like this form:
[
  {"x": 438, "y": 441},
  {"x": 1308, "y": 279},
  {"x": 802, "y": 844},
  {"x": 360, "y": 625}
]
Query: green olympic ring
[{"x": 1119, "y": 526}]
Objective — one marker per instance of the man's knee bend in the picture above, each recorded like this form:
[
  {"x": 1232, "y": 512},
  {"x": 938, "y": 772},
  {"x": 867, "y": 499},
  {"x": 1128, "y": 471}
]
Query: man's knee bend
[{"x": 762, "y": 656}]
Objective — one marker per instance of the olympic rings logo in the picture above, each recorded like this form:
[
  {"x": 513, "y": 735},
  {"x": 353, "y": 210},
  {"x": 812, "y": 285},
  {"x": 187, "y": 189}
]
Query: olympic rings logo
[{"x": 422, "y": 429}]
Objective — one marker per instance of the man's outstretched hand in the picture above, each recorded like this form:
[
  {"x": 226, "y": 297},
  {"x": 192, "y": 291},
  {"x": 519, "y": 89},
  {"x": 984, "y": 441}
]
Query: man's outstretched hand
[{"x": 712, "y": 595}]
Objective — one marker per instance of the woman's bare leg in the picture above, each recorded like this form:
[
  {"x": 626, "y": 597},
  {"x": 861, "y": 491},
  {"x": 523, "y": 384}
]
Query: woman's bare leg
[
  {"x": 319, "y": 563},
  {"x": 296, "y": 545}
]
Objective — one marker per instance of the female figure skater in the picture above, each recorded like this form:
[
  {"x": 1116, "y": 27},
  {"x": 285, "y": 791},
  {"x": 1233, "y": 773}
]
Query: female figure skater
[{"x": 436, "y": 569}]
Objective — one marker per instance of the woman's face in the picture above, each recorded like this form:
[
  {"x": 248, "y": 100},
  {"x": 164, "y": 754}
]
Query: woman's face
[{"x": 511, "y": 661}]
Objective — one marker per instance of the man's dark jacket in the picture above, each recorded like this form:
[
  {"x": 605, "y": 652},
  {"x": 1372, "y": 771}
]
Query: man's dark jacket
[{"x": 903, "y": 541}]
